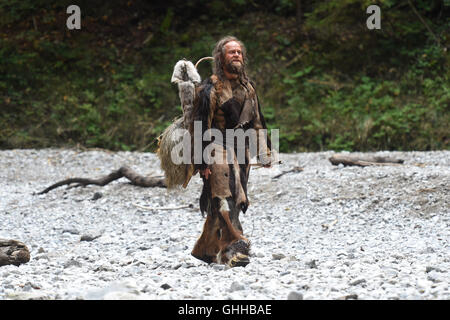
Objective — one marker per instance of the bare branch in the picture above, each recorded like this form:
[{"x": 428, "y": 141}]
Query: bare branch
[{"x": 126, "y": 172}]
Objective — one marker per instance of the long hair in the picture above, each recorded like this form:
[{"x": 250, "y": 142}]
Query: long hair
[{"x": 219, "y": 57}]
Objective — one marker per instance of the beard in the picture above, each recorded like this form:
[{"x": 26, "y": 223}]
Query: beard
[{"x": 234, "y": 67}]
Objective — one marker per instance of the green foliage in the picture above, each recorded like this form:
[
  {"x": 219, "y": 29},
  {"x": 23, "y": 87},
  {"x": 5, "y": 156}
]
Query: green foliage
[
  {"x": 326, "y": 84},
  {"x": 369, "y": 114}
]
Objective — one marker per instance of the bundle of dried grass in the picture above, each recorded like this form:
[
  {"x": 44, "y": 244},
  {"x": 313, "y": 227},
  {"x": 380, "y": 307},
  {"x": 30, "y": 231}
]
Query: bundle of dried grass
[{"x": 176, "y": 173}]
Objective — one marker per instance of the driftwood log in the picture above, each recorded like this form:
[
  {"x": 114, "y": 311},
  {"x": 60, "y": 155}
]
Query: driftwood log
[
  {"x": 363, "y": 161},
  {"x": 13, "y": 252},
  {"x": 294, "y": 169},
  {"x": 135, "y": 179}
]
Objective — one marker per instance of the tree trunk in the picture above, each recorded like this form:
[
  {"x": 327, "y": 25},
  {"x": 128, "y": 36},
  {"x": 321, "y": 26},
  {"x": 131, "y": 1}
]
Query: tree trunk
[{"x": 13, "y": 252}]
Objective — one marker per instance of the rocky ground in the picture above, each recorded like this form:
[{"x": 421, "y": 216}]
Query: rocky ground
[{"x": 328, "y": 232}]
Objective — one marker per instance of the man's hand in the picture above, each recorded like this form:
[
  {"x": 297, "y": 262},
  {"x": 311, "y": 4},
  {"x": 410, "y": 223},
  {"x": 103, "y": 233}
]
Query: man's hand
[
  {"x": 268, "y": 161},
  {"x": 205, "y": 173}
]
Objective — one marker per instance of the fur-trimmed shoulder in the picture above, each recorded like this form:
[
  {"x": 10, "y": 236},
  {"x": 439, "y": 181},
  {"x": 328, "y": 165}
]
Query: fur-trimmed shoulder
[
  {"x": 252, "y": 85},
  {"x": 218, "y": 84}
]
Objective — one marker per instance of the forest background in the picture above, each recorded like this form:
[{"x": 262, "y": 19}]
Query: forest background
[{"x": 324, "y": 79}]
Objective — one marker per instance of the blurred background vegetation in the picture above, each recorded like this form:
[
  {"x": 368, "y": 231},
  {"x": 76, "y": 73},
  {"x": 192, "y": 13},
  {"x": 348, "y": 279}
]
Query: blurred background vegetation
[{"x": 324, "y": 79}]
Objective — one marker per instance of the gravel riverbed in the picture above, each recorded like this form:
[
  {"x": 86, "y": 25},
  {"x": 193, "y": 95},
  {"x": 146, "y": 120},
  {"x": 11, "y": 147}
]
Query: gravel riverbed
[{"x": 328, "y": 232}]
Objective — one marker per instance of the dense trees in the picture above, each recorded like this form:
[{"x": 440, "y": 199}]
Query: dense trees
[{"x": 324, "y": 79}]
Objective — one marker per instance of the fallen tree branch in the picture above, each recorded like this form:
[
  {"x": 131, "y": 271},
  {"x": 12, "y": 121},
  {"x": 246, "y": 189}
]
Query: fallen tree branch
[
  {"x": 363, "y": 161},
  {"x": 260, "y": 165},
  {"x": 163, "y": 208},
  {"x": 135, "y": 179},
  {"x": 294, "y": 169}
]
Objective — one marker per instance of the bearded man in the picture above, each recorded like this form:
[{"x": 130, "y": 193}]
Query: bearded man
[{"x": 227, "y": 101}]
